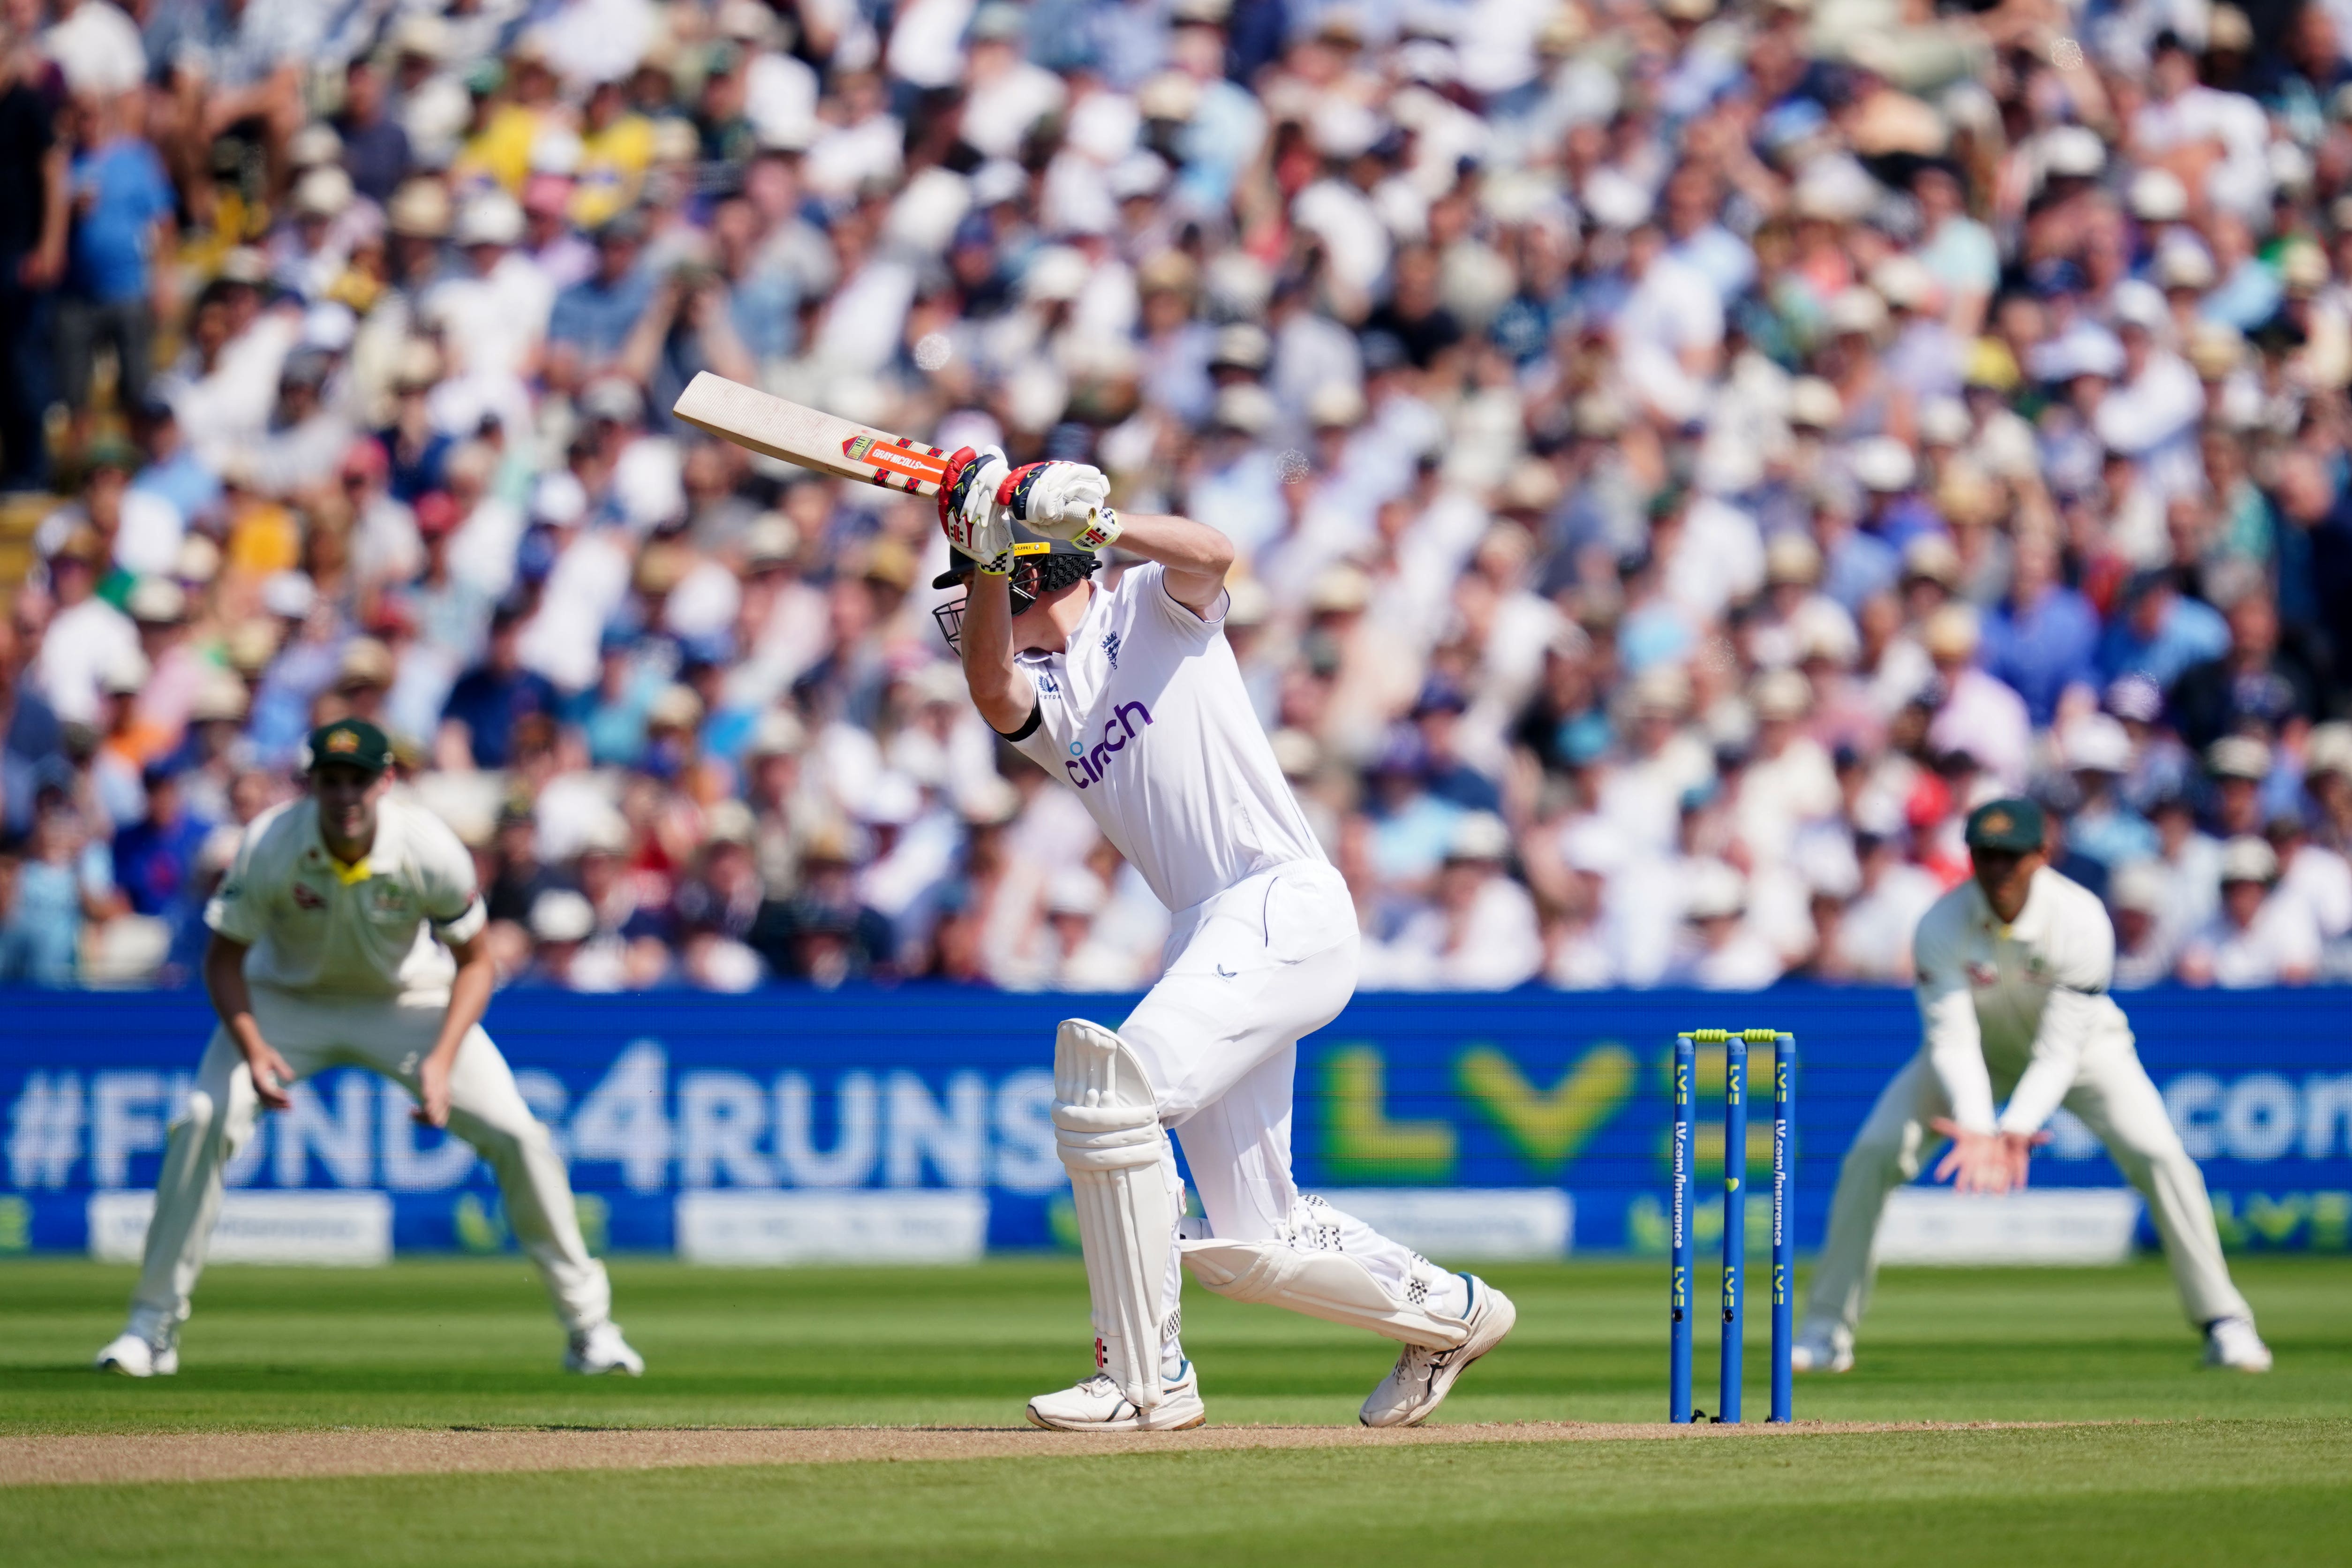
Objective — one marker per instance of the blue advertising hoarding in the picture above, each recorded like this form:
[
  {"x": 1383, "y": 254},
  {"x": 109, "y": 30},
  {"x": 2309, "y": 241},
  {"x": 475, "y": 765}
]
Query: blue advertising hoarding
[{"x": 922, "y": 1088}]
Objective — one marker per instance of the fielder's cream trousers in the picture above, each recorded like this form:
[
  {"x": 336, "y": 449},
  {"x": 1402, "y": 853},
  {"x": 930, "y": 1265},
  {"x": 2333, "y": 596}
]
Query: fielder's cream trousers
[
  {"x": 391, "y": 1037},
  {"x": 2114, "y": 1097}
]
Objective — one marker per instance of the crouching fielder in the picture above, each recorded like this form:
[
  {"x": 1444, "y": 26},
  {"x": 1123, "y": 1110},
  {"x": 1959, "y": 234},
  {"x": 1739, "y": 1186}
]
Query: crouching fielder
[
  {"x": 1131, "y": 695},
  {"x": 333, "y": 937},
  {"x": 2013, "y": 967}
]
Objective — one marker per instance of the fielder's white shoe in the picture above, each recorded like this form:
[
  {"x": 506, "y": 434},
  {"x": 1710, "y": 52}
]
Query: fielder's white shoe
[
  {"x": 1097, "y": 1405},
  {"x": 1422, "y": 1378},
  {"x": 1821, "y": 1350},
  {"x": 134, "y": 1355},
  {"x": 2231, "y": 1342},
  {"x": 600, "y": 1350}
]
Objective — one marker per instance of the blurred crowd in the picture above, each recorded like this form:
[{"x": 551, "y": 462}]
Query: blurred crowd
[{"x": 1682, "y": 456}]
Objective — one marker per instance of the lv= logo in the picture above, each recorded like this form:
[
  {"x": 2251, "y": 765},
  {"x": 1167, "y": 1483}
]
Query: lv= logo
[{"x": 1546, "y": 1127}]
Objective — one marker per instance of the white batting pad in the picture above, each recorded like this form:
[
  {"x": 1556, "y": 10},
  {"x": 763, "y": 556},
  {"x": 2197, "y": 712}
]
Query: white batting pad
[
  {"x": 1328, "y": 1285},
  {"x": 1107, "y": 1131}
]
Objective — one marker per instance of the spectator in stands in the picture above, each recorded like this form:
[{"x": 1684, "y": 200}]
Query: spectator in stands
[
  {"x": 1720, "y": 950},
  {"x": 2259, "y": 936},
  {"x": 1696, "y": 487},
  {"x": 120, "y": 267},
  {"x": 2160, "y": 634},
  {"x": 822, "y": 933},
  {"x": 375, "y": 152},
  {"x": 2317, "y": 878},
  {"x": 592, "y": 320},
  {"x": 2144, "y": 955},
  {"x": 32, "y": 744},
  {"x": 2254, "y": 683},
  {"x": 1978, "y": 717},
  {"x": 34, "y": 209},
  {"x": 477, "y": 723},
  {"x": 155, "y": 855},
  {"x": 2102, "y": 826},
  {"x": 1479, "y": 929},
  {"x": 2042, "y": 638},
  {"x": 64, "y": 881}
]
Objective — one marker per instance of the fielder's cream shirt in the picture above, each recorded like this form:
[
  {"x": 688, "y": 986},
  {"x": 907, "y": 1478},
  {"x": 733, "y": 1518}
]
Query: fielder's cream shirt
[
  {"x": 2023, "y": 1001},
  {"x": 374, "y": 928}
]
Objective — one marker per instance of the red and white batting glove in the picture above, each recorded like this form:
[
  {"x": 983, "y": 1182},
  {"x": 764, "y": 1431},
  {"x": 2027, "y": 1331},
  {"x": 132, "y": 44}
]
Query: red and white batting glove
[
  {"x": 970, "y": 516},
  {"x": 1061, "y": 500}
]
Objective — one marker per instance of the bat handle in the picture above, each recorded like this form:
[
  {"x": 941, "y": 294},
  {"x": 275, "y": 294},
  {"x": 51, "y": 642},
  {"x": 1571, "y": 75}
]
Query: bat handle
[{"x": 1102, "y": 524}]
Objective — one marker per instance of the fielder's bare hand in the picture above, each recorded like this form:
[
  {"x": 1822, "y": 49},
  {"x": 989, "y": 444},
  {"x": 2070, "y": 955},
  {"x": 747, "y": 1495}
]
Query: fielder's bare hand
[
  {"x": 1986, "y": 1162},
  {"x": 273, "y": 1080},
  {"x": 432, "y": 1093},
  {"x": 1976, "y": 1162}
]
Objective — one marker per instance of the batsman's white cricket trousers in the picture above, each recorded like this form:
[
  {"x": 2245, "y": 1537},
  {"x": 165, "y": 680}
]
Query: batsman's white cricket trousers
[
  {"x": 1249, "y": 971},
  {"x": 391, "y": 1037},
  {"x": 2115, "y": 1099}
]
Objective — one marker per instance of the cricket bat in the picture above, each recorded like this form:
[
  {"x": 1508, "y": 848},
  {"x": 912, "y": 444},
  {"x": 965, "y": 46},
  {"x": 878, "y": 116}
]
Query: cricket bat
[{"x": 812, "y": 438}]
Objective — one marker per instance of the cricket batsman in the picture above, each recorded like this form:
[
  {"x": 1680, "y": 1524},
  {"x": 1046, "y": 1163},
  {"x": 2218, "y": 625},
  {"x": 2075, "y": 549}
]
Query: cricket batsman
[
  {"x": 2013, "y": 966},
  {"x": 1131, "y": 695},
  {"x": 349, "y": 931}
]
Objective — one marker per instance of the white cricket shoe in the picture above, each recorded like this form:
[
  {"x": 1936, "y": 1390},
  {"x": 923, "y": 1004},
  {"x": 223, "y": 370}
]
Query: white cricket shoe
[
  {"x": 1821, "y": 1350},
  {"x": 1097, "y": 1404},
  {"x": 1422, "y": 1378},
  {"x": 134, "y": 1355},
  {"x": 2231, "y": 1344},
  {"x": 601, "y": 1350}
]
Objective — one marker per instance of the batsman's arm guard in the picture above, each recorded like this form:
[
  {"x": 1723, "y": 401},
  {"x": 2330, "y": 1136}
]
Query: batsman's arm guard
[
  {"x": 1107, "y": 1131},
  {"x": 1328, "y": 1285}
]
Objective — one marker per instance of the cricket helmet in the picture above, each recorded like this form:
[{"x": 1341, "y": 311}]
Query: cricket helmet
[{"x": 1040, "y": 566}]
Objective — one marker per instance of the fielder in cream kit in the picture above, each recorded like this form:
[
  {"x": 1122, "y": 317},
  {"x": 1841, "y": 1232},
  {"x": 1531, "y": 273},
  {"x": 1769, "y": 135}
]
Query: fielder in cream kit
[
  {"x": 1132, "y": 697},
  {"x": 347, "y": 932},
  {"x": 2014, "y": 968}
]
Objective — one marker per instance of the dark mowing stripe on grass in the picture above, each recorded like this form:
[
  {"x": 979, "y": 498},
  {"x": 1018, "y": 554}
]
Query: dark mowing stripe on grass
[{"x": 2186, "y": 1493}]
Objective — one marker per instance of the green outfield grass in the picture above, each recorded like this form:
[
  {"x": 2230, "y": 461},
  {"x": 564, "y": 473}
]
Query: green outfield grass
[{"x": 2243, "y": 1469}]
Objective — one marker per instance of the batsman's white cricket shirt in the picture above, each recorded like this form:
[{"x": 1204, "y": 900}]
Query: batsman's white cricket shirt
[
  {"x": 2024, "y": 1000},
  {"x": 370, "y": 930},
  {"x": 1145, "y": 715}
]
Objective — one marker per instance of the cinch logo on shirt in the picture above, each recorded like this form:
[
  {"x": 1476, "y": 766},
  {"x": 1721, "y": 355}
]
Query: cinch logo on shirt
[{"x": 1086, "y": 763}]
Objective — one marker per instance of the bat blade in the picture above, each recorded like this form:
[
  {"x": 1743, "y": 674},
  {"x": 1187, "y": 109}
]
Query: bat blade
[{"x": 810, "y": 437}]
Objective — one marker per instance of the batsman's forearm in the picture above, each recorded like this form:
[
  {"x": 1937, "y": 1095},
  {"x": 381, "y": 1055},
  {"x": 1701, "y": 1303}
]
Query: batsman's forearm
[
  {"x": 1176, "y": 542},
  {"x": 985, "y": 644}
]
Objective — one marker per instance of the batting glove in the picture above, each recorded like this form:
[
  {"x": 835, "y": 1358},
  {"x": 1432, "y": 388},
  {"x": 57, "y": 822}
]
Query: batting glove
[
  {"x": 1061, "y": 500},
  {"x": 975, "y": 522}
]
